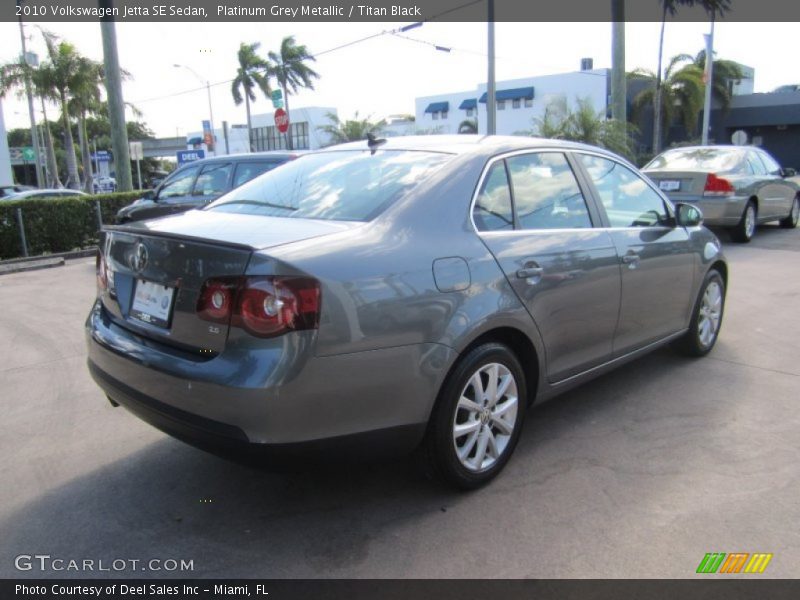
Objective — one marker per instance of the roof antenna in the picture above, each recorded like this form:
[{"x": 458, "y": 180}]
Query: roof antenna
[{"x": 373, "y": 142}]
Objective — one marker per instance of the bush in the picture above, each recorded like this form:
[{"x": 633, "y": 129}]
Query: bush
[{"x": 57, "y": 225}]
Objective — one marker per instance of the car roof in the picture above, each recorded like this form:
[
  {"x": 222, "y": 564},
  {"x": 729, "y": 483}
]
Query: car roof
[
  {"x": 488, "y": 145},
  {"x": 287, "y": 154},
  {"x": 44, "y": 192},
  {"x": 722, "y": 147}
]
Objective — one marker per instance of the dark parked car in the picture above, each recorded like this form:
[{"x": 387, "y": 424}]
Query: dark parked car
[
  {"x": 200, "y": 182},
  {"x": 736, "y": 186},
  {"x": 418, "y": 292}
]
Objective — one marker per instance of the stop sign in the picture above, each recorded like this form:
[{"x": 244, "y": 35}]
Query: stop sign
[{"x": 281, "y": 120}]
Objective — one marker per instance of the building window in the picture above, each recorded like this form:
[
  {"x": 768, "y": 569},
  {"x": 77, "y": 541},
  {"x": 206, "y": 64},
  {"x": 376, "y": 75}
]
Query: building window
[
  {"x": 435, "y": 116},
  {"x": 269, "y": 138},
  {"x": 501, "y": 105},
  {"x": 515, "y": 103},
  {"x": 528, "y": 102},
  {"x": 444, "y": 114},
  {"x": 470, "y": 112}
]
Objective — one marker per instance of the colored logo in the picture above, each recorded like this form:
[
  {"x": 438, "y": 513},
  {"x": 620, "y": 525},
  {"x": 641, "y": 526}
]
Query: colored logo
[{"x": 736, "y": 562}]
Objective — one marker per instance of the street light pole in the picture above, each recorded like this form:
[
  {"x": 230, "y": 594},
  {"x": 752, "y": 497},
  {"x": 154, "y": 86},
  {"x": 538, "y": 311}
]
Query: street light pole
[
  {"x": 491, "y": 114},
  {"x": 709, "y": 77},
  {"x": 208, "y": 91},
  {"x": 34, "y": 136}
]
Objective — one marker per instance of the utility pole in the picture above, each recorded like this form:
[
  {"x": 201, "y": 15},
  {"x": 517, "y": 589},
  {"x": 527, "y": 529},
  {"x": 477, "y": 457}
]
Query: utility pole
[
  {"x": 491, "y": 104},
  {"x": 709, "y": 80},
  {"x": 29, "y": 92},
  {"x": 116, "y": 106},
  {"x": 618, "y": 85}
]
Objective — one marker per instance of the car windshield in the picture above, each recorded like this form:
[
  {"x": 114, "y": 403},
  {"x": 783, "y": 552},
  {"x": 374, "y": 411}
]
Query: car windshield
[
  {"x": 697, "y": 159},
  {"x": 347, "y": 185}
]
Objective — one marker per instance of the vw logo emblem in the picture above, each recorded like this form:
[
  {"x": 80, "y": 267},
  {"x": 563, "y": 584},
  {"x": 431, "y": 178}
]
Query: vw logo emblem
[{"x": 139, "y": 258}]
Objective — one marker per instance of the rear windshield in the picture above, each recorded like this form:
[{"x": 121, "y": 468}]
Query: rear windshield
[
  {"x": 697, "y": 159},
  {"x": 346, "y": 185}
]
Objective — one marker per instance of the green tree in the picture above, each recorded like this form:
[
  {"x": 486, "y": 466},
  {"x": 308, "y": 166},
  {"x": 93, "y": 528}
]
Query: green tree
[
  {"x": 681, "y": 93},
  {"x": 350, "y": 130},
  {"x": 252, "y": 74},
  {"x": 725, "y": 74},
  {"x": 583, "y": 124},
  {"x": 670, "y": 7},
  {"x": 290, "y": 71}
]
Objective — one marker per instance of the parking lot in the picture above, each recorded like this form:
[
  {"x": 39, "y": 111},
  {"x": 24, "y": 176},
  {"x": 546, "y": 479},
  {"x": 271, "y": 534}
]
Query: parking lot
[{"x": 637, "y": 474}]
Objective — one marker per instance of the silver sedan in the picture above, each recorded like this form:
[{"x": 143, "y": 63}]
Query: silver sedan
[
  {"x": 401, "y": 294},
  {"x": 737, "y": 187}
]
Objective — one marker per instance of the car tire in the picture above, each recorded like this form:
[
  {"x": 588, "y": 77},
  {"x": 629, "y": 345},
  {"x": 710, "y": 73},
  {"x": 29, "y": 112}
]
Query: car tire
[
  {"x": 473, "y": 431},
  {"x": 706, "y": 317},
  {"x": 746, "y": 228},
  {"x": 790, "y": 221}
]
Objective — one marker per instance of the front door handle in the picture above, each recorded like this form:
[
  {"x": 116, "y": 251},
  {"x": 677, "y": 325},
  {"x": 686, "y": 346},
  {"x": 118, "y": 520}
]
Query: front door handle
[
  {"x": 530, "y": 272},
  {"x": 631, "y": 259}
]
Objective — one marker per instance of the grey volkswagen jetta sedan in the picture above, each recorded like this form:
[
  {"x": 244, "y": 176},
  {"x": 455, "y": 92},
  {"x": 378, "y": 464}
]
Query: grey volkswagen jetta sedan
[{"x": 392, "y": 295}]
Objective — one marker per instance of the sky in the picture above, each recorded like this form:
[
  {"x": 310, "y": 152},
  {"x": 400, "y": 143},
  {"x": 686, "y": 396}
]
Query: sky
[{"x": 382, "y": 75}]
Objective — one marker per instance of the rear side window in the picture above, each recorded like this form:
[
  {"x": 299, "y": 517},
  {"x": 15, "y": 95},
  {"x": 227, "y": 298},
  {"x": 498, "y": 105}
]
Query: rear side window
[
  {"x": 348, "y": 185},
  {"x": 546, "y": 193},
  {"x": 213, "y": 180},
  {"x": 492, "y": 210},
  {"x": 773, "y": 168},
  {"x": 755, "y": 164},
  {"x": 627, "y": 199},
  {"x": 245, "y": 171}
]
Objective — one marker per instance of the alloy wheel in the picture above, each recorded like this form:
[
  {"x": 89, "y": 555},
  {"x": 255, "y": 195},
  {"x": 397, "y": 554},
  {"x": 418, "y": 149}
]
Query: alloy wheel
[
  {"x": 710, "y": 314},
  {"x": 485, "y": 418}
]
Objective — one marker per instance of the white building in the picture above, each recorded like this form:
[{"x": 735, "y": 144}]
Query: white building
[
  {"x": 304, "y": 124},
  {"x": 6, "y": 176},
  {"x": 519, "y": 101}
]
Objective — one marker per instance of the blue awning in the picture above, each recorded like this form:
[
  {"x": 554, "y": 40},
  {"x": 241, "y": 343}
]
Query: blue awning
[
  {"x": 513, "y": 94},
  {"x": 437, "y": 107},
  {"x": 468, "y": 104}
]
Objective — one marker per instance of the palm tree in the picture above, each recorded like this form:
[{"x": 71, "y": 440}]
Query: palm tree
[
  {"x": 352, "y": 130},
  {"x": 712, "y": 7},
  {"x": 252, "y": 74},
  {"x": 289, "y": 71},
  {"x": 681, "y": 93},
  {"x": 468, "y": 126},
  {"x": 583, "y": 124},
  {"x": 63, "y": 73},
  {"x": 86, "y": 99},
  {"x": 725, "y": 74},
  {"x": 13, "y": 76}
]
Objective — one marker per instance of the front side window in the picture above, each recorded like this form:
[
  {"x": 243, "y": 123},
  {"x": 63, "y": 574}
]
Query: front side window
[
  {"x": 180, "y": 185},
  {"x": 351, "y": 185},
  {"x": 213, "y": 180},
  {"x": 245, "y": 171},
  {"x": 546, "y": 193},
  {"x": 492, "y": 210},
  {"x": 628, "y": 200}
]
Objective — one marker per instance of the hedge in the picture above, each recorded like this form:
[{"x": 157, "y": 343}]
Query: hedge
[{"x": 57, "y": 225}]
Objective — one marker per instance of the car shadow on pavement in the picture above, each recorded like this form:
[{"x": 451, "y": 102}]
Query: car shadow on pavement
[{"x": 169, "y": 500}]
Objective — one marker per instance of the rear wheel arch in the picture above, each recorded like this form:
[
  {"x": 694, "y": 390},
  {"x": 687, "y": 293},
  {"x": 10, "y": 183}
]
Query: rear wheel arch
[{"x": 519, "y": 343}]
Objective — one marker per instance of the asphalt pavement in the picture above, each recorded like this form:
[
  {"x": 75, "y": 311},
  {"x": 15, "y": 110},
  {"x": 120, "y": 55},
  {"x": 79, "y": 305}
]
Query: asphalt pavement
[{"x": 637, "y": 474}]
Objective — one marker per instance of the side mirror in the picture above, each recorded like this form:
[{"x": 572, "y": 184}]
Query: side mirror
[
  {"x": 688, "y": 215},
  {"x": 788, "y": 172}
]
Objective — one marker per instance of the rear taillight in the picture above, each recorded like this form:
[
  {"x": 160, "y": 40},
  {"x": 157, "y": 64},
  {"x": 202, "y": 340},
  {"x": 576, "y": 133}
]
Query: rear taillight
[
  {"x": 100, "y": 271},
  {"x": 262, "y": 306},
  {"x": 717, "y": 186}
]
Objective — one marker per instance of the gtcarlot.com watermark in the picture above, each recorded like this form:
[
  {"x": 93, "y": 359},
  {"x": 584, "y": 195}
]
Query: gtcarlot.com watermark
[{"x": 45, "y": 563}]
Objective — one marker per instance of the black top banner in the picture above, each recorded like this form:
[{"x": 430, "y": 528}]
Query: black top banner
[{"x": 144, "y": 11}]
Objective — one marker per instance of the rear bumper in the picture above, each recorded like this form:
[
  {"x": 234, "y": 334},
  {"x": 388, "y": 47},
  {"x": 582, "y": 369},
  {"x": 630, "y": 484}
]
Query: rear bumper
[
  {"x": 277, "y": 397},
  {"x": 724, "y": 212}
]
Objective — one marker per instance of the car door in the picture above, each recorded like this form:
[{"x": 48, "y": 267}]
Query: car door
[
  {"x": 776, "y": 193},
  {"x": 656, "y": 260},
  {"x": 534, "y": 218}
]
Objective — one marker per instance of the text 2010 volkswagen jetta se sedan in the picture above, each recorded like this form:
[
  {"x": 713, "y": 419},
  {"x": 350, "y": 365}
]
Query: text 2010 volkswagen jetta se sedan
[{"x": 397, "y": 294}]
